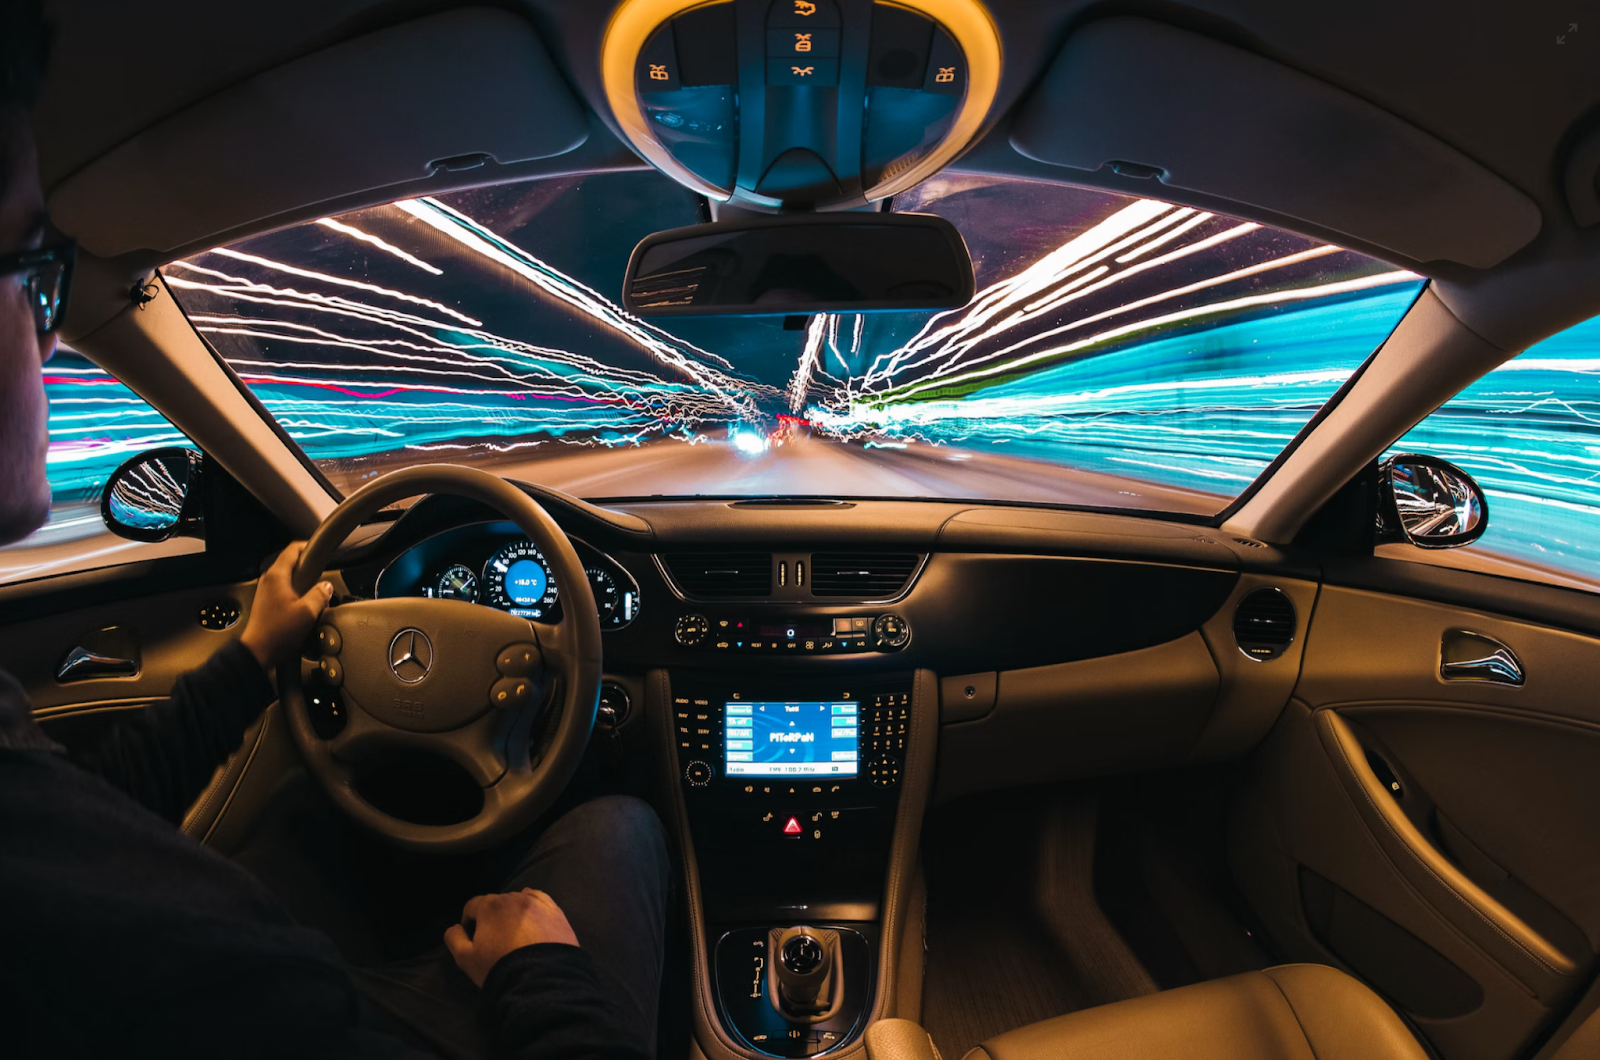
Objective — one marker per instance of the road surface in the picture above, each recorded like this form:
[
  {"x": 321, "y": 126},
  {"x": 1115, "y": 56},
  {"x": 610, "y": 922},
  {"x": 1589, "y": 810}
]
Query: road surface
[{"x": 812, "y": 467}]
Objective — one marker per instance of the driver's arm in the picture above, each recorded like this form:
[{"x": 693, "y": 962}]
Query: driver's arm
[
  {"x": 543, "y": 998},
  {"x": 165, "y": 757}
]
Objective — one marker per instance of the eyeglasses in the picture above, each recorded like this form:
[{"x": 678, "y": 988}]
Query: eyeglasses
[{"x": 45, "y": 275}]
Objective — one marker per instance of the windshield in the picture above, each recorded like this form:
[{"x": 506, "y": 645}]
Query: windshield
[{"x": 1121, "y": 352}]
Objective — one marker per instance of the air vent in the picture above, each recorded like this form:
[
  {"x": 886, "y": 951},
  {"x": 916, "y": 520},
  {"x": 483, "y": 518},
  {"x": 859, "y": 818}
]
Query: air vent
[
  {"x": 1247, "y": 543},
  {"x": 1263, "y": 624},
  {"x": 861, "y": 575},
  {"x": 722, "y": 575}
]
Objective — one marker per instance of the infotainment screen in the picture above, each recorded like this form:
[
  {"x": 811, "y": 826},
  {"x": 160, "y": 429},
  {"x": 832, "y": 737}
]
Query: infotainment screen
[{"x": 791, "y": 739}]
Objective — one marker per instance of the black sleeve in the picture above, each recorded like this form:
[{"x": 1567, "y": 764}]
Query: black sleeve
[
  {"x": 164, "y": 758},
  {"x": 546, "y": 1001}
]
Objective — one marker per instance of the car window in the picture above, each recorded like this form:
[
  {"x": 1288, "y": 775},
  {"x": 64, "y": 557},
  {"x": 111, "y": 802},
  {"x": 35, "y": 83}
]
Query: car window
[
  {"x": 95, "y": 424},
  {"x": 1529, "y": 432},
  {"x": 1121, "y": 352}
]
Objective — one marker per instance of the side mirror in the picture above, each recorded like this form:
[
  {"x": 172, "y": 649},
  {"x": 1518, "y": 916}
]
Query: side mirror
[
  {"x": 794, "y": 265},
  {"x": 153, "y": 497},
  {"x": 1429, "y": 502}
]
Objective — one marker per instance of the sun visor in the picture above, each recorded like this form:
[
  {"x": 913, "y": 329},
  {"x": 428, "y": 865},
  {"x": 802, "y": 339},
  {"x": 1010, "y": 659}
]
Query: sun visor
[
  {"x": 1149, "y": 99},
  {"x": 449, "y": 91}
]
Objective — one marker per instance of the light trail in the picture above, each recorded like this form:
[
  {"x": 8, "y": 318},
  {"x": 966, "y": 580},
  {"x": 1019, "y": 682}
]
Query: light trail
[
  {"x": 388, "y": 248},
  {"x": 343, "y": 281},
  {"x": 736, "y": 393},
  {"x": 1149, "y": 324},
  {"x": 432, "y": 377},
  {"x": 800, "y": 383}
]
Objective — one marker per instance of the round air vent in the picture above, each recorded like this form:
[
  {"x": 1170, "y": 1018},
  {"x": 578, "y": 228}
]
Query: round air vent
[{"x": 1263, "y": 624}]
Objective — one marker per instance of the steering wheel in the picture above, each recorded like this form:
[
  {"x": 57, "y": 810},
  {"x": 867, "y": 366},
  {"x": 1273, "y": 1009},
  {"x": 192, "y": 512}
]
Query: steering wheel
[{"x": 458, "y": 680}]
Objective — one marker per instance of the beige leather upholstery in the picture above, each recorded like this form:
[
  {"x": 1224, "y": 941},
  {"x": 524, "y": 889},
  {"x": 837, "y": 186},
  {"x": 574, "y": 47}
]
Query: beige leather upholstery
[
  {"x": 897, "y": 1039},
  {"x": 1292, "y": 1012},
  {"x": 1584, "y": 1044}
]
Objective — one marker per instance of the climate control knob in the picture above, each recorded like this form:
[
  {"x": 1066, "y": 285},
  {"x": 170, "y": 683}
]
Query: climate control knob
[
  {"x": 891, "y": 632},
  {"x": 697, "y": 773},
  {"x": 691, "y": 630}
]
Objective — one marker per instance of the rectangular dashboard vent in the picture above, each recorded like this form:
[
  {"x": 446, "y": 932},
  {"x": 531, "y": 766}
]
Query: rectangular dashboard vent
[
  {"x": 862, "y": 575},
  {"x": 722, "y": 575}
]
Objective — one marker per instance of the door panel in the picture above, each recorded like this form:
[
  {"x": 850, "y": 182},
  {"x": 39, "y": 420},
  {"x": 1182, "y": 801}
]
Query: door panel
[
  {"x": 171, "y": 641},
  {"x": 166, "y": 624},
  {"x": 1395, "y": 819}
]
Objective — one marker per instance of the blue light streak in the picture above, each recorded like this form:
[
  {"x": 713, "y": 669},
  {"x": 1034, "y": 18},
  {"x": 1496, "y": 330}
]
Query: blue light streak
[{"x": 1529, "y": 432}]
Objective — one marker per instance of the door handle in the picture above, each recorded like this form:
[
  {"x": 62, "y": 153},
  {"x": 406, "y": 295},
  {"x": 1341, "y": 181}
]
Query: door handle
[
  {"x": 1468, "y": 656},
  {"x": 109, "y": 652}
]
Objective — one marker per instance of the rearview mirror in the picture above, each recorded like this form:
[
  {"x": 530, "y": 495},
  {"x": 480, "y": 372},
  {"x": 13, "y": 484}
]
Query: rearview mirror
[
  {"x": 1429, "y": 502},
  {"x": 152, "y": 496},
  {"x": 808, "y": 263}
]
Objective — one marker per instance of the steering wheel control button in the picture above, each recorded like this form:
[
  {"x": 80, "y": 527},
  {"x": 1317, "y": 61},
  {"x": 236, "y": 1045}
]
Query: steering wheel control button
[
  {"x": 325, "y": 707},
  {"x": 328, "y": 640},
  {"x": 697, "y": 773},
  {"x": 510, "y": 693},
  {"x": 691, "y": 630},
  {"x": 519, "y": 660},
  {"x": 410, "y": 656},
  {"x": 891, "y": 632},
  {"x": 331, "y": 672}
]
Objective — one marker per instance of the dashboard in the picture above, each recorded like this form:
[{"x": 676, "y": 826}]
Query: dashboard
[
  {"x": 1063, "y": 644},
  {"x": 495, "y": 564}
]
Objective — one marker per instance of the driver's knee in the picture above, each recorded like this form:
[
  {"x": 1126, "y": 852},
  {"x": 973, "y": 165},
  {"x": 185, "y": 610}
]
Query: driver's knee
[
  {"x": 616, "y": 835},
  {"x": 629, "y": 820}
]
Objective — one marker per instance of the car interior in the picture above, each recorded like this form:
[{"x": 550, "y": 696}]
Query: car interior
[{"x": 1080, "y": 517}]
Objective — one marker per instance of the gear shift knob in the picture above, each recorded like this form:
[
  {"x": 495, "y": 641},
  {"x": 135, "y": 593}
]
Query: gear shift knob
[
  {"x": 804, "y": 972},
  {"x": 803, "y": 966}
]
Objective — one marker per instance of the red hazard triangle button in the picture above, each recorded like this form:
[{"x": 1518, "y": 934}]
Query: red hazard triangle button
[{"x": 792, "y": 827}]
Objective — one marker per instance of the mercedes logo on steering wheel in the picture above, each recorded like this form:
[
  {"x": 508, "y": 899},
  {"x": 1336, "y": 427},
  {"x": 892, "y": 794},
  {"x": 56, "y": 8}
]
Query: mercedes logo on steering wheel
[{"x": 411, "y": 655}]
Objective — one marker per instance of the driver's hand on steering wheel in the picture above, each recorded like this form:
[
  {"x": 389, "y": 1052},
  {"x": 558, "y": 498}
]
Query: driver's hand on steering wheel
[
  {"x": 280, "y": 618},
  {"x": 492, "y": 925}
]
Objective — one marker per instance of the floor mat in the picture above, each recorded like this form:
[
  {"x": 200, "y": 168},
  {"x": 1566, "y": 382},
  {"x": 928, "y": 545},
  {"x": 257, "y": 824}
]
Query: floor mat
[{"x": 1013, "y": 933}]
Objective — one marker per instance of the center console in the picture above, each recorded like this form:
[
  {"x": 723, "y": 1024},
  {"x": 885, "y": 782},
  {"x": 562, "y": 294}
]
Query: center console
[{"x": 790, "y": 789}]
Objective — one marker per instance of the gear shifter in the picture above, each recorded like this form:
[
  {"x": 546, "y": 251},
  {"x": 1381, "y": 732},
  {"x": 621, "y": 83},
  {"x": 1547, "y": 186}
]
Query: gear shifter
[{"x": 806, "y": 982}]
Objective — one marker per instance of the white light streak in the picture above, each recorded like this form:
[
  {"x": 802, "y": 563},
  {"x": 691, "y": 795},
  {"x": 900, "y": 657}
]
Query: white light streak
[{"x": 388, "y": 248}]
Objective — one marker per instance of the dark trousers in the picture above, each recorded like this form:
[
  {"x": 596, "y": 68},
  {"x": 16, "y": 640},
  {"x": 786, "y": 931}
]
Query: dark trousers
[{"x": 606, "y": 865}]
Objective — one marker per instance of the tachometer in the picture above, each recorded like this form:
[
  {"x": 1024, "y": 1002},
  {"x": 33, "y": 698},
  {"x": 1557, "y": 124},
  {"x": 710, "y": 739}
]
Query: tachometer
[
  {"x": 457, "y": 583},
  {"x": 518, "y": 580}
]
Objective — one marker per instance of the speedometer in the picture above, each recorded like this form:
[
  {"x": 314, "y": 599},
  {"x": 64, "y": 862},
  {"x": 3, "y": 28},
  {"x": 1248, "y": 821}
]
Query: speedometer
[{"x": 518, "y": 580}]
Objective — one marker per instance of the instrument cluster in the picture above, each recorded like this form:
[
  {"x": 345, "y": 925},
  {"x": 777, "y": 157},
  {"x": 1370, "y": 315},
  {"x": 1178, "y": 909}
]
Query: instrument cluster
[{"x": 496, "y": 565}]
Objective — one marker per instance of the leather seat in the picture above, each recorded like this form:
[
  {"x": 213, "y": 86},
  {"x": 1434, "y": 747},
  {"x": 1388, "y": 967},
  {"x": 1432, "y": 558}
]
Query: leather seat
[{"x": 1292, "y": 1012}]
